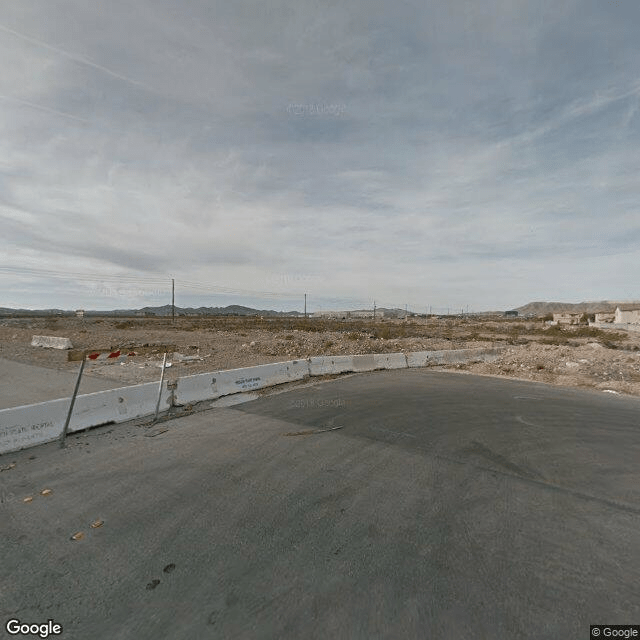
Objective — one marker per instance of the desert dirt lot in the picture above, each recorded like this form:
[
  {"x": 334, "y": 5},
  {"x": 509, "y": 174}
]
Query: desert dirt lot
[{"x": 570, "y": 356}]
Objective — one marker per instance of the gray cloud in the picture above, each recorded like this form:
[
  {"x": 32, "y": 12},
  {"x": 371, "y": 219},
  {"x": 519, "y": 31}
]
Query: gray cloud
[{"x": 458, "y": 153}]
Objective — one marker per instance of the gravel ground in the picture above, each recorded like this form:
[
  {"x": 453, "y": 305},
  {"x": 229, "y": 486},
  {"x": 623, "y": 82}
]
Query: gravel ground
[{"x": 581, "y": 357}]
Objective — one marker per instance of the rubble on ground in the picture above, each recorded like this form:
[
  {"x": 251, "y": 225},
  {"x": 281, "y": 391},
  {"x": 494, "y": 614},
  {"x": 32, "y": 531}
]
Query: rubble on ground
[{"x": 533, "y": 351}]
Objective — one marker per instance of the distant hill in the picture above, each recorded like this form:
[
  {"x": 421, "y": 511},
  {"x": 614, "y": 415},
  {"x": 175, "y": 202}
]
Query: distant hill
[
  {"x": 6, "y": 311},
  {"x": 542, "y": 308},
  {"x": 534, "y": 308},
  {"x": 230, "y": 310},
  {"x": 165, "y": 310}
]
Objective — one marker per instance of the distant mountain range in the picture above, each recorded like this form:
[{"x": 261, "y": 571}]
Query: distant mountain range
[
  {"x": 230, "y": 310},
  {"x": 6, "y": 311},
  {"x": 165, "y": 310},
  {"x": 533, "y": 308},
  {"x": 542, "y": 308}
]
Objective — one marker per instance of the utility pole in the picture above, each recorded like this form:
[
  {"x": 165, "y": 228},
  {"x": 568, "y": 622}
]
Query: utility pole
[
  {"x": 374, "y": 310},
  {"x": 405, "y": 312},
  {"x": 305, "y": 306},
  {"x": 173, "y": 300}
]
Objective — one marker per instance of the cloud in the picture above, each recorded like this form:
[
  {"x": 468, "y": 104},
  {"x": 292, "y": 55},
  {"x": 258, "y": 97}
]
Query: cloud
[{"x": 454, "y": 153}]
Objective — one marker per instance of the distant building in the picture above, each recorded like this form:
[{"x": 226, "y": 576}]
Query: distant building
[
  {"x": 605, "y": 316},
  {"x": 511, "y": 314},
  {"x": 567, "y": 318},
  {"x": 79, "y": 313},
  {"x": 627, "y": 315},
  {"x": 345, "y": 315}
]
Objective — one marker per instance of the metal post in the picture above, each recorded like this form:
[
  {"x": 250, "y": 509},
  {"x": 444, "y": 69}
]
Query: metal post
[
  {"x": 164, "y": 362},
  {"x": 63, "y": 435},
  {"x": 173, "y": 300}
]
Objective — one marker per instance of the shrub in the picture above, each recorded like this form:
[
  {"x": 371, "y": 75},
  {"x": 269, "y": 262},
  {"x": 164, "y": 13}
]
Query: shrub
[{"x": 383, "y": 332}]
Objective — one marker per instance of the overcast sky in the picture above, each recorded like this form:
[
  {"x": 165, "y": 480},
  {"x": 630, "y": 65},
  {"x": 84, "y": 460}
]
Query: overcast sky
[{"x": 412, "y": 152}]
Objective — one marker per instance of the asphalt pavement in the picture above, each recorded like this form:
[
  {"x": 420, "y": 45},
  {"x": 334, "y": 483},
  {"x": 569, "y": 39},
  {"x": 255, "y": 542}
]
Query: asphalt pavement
[
  {"x": 22, "y": 383},
  {"x": 398, "y": 504}
]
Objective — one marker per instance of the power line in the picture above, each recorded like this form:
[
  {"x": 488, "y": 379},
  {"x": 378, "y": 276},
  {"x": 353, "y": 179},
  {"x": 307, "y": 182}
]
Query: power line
[
  {"x": 46, "y": 109},
  {"x": 236, "y": 291},
  {"x": 201, "y": 287},
  {"x": 87, "y": 276},
  {"x": 76, "y": 58},
  {"x": 164, "y": 283}
]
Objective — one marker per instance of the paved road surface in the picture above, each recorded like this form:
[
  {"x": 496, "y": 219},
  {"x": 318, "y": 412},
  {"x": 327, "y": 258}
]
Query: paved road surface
[
  {"x": 27, "y": 384},
  {"x": 448, "y": 506}
]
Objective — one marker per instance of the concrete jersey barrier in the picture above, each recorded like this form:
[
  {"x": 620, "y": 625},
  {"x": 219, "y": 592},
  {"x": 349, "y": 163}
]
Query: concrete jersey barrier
[
  {"x": 451, "y": 356},
  {"x": 209, "y": 386},
  {"x": 34, "y": 424},
  {"x": 51, "y": 342},
  {"x": 327, "y": 365},
  {"x": 381, "y": 361}
]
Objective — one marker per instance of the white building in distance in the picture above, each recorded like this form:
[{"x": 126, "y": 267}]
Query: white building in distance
[
  {"x": 627, "y": 315},
  {"x": 346, "y": 315}
]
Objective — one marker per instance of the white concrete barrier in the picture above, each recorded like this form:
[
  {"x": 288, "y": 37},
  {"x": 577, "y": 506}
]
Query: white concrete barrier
[
  {"x": 364, "y": 362},
  {"x": 451, "y": 356},
  {"x": 327, "y": 365},
  {"x": 51, "y": 342},
  {"x": 209, "y": 386},
  {"x": 118, "y": 405},
  {"x": 197, "y": 388},
  {"x": 390, "y": 361},
  {"x": 33, "y": 424},
  {"x": 26, "y": 426}
]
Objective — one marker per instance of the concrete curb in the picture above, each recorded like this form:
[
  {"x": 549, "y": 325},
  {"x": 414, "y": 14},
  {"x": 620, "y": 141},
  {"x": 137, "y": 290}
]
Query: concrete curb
[
  {"x": 34, "y": 424},
  {"x": 51, "y": 342}
]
